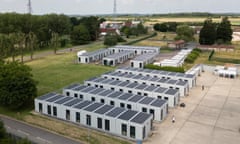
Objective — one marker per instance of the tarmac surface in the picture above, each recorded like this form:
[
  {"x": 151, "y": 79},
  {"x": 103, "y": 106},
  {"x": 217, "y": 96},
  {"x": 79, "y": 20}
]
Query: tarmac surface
[
  {"x": 211, "y": 116},
  {"x": 33, "y": 133}
]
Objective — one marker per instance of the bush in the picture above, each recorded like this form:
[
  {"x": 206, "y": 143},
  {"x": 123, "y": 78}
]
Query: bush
[
  {"x": 165, "y": 68},
  {"x": 110, "y": 40},
  {"x": 211, "y": 55},
  {"x": 193, "y": 56}
]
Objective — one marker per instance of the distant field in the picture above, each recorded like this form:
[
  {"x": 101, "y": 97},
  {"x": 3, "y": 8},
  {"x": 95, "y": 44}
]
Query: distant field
[{"x": 234, "y": 21}]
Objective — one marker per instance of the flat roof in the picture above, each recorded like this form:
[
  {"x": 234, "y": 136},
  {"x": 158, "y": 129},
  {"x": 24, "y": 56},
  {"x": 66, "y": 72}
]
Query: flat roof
[
  {"x": 171, "y": 91},
  {"x": 115, "y": 112},
  {"x": 52, "y": 99},
  {"x": 125, "y": 96},
  {"x": 46, "y": 96},
  {"x": 83, "y": 104},
  {"x": 115, "y": 94},
  {"x": 147, "y": 100},
  {"x": 72, "y": 86},
  {"x": 93, "y": 107},
  {"x": 73, "y": 102},
  {"x": 141, "y": 118},
  {"x": 127, "y": 115},
  {"x": 118, "y": 55},
  {"x": 136, "y": 98},
  {"x": 106, "y": 93},
  {"x": 158, "y": 102},
  {"x": 104, "y": 109},
  {"x": 66, "y": 99},
  {"x": 144, "y": 57}
]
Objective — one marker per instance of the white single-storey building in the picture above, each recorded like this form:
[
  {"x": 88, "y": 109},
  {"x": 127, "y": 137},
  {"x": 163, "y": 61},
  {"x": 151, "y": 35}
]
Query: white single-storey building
[
  {"x": 180, "y": 85},
  {"x": 138, "y": 50},
  {"x": 228, "y": 72},
  {"x": 121, "y": 122},
  {"x": 142, "y": 60},
  {"x": 191, "y": 79},
  {"x": 97, "y": 55},
  {"x": 117, "y": 58},
  {"x": 157, "y": 107},
  {"x": 172, "y": 95}
]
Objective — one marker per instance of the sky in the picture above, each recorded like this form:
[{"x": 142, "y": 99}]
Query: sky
[{"x": 83, "y": 7}]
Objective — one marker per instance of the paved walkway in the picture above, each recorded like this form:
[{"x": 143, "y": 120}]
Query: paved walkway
[{"x": 211, "y": 116}]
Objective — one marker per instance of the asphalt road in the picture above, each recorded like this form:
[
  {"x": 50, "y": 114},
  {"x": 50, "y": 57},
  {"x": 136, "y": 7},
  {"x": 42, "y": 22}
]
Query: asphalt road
[{"x": 34, "y": 134}]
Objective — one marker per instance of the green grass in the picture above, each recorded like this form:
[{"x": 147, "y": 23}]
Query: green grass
[{"x": 55, "y": 72}]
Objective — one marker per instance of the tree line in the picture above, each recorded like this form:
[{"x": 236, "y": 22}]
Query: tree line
[
  {"x": 220, "y": 33},
  {"x": 20, "y": 33}
]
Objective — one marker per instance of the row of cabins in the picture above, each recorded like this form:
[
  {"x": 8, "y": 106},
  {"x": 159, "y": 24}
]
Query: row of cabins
[
  {"x": 172, "y": 95},
  {"x": 119, "y": 54},
  {"x": 124, "y": 108},
  {"x": 180, "y": 85},
  {"x": 224, "y": 71},
  {"x": 121, "y": 122},
  {"x": 157, "y": 107},
  {"x": 118, "y": 58},
  {"x": 190, "y": 78},
  {"x": 142, "y": 60},
  {"x": 175, "y": 61}
]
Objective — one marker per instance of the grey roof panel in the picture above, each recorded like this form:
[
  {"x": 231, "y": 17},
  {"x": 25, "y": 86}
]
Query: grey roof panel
[
  {"x": 116, "y": 82},
  {"x": 88, "y": 89},
  {"x": 141, "y": 86},
  {"x": 115, "y": 94},
  {"x": 107, "y": 81},
  {"x": 104, "y": 109},
  {"x": 158, "y": 103},
  {"x": 171, "y": 81},
  {"x": 106, "y": 92},
  {"x": 132, "y": 85},
  {"x": 172, "y": 73},
  {"x": 73, "y": 102},
  {"x": 151, "y": 88},
  {"x": 136, "y": 98},
  {"x": 189, "y": 76},
  {"x": 127, "y": 115},
  {"x": 46, "y": 96},
  {"x": 80, "y": 88},
  {"x": 162, "y": 80},
  {"x": 137, "y": 77},
  {"x": 147, "y": 100},
  {"x": 83, "y": 104},
  {"x": 141, "y": 118},
  {"x": 125, "y": 96},
  {"x": 146, "y": 77},
  {"x": 72, "y": 86},
  {"x": 124, "y": 83},
  {"x": 115, "y": 112},
  {"x": 182, "y": 83},
  {"x": 160, "y": 89},
  {"x": 57, "y": 97},
  {"x": 171, "y": 91},
  {"x": 64, "y": 100},
  {"x": 96, "y": 91},
  {"x": 93, "y": 107},
  {"x": 154, "y": 79}
]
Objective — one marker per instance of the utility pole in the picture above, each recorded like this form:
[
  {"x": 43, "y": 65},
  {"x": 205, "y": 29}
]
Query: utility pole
[
  {"x": 29, "y": 7},
  {"x": 115, "y": 8}
]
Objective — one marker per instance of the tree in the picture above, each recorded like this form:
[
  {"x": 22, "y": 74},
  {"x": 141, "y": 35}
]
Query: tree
[
  {"x": 207, "y": 34},
  {"x": 224, "y": 31},
  {"x": 92, "y": 24},
  {"x": 172, "y": 26},
  {"x": 110, "y": 40},
  {"x": 80, "y": 35},
  {"x": 2, "y": 130},
  {"x": 185, "y": 33},
  {"x": 17, "y": 87},
  {"x": 163, "y": 27}
]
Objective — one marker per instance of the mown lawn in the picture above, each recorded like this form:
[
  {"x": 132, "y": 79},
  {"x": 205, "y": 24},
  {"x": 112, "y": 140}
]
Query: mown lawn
[{"x": 54, "y": 72}]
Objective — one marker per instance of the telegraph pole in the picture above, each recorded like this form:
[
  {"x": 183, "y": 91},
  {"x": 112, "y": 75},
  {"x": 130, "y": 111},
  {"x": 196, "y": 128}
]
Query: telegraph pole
[
  {"x": 29, "y": 7},
  {"x": 115, "y": 8}
]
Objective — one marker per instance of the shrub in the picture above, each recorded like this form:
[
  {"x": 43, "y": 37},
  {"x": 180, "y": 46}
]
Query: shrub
[
  {"x": 165, "y": 68},
  {"x": 211, "y": 55}
]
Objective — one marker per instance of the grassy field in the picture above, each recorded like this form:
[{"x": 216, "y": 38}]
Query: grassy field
[{"x": 55, "y": 72}]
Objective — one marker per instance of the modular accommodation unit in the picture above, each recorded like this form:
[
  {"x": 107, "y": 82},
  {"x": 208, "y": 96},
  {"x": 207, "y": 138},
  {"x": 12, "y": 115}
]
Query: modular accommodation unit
[
  {"x": 224, "y": 71},
  {"x": 157, "y": 107},
  {"x": 141, "y": 60},
  {"x": 137, "y": 49},
  {"x": 121, "y": 122},
  {"x": 182, "y": 86},
  {"x": 190, "y": 78},
  {"x": 172, "y": 95},
  {"x": 117, "y": 58},
  {"x": 97, "y": 55}
]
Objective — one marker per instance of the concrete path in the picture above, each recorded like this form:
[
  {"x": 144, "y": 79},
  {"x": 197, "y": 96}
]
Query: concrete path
[
  {"x": 34, "y": 134},
  {"x": 211, "y": 116}
]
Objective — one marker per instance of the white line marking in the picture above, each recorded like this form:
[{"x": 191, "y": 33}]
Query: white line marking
[
  {"x": 42, "y": 139},
  {"x": 20, "y": 131}
]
